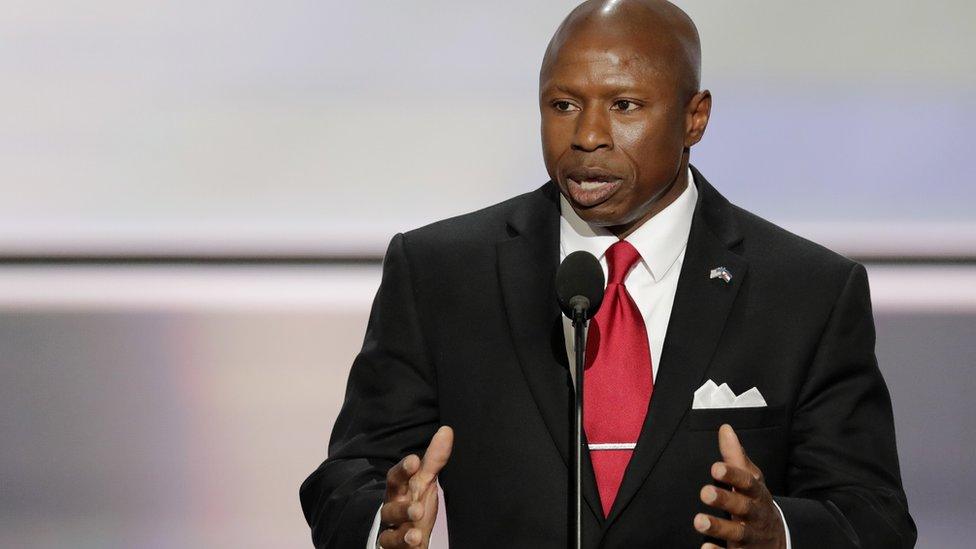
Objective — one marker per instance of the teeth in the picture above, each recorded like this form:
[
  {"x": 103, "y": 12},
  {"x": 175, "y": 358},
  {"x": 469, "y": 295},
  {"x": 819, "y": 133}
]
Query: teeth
[{"x": 591, "y": 185}]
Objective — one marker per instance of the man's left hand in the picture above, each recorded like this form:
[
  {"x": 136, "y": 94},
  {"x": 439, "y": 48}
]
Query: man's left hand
[{"x": 756, "y": 523}]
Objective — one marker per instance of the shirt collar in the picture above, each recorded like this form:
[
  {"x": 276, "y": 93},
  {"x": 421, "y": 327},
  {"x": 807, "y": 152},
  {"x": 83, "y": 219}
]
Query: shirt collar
[{"x": 660, "y": 240}]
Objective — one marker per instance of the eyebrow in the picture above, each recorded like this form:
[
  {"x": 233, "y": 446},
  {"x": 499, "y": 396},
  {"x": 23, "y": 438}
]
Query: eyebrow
[{"x": 606, "y": 90}]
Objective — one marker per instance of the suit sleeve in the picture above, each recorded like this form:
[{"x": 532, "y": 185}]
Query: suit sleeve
[
  {"x": 843, "y": 477},
  {"x": 390, "y": 410}
]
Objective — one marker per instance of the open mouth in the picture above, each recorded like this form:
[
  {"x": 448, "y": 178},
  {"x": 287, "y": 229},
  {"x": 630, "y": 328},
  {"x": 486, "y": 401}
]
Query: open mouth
[{"x": 590, "y": 186}]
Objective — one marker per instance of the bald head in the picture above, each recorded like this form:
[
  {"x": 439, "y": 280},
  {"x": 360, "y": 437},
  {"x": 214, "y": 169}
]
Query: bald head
[
  {"x": 657, "y": 30},
  {"x": 621, "y": 109}
]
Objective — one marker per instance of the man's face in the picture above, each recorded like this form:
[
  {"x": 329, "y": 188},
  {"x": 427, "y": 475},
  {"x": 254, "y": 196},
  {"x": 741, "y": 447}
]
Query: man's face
[{"x": 613, "y": 128}]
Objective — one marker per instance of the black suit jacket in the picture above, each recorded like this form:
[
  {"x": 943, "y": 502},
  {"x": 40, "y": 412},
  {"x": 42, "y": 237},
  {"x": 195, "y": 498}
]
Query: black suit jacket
[{"x": 465, "y": 331}]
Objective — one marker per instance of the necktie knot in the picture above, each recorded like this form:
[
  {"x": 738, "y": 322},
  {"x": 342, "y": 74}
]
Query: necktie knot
[{"x": 621, "y": 258}]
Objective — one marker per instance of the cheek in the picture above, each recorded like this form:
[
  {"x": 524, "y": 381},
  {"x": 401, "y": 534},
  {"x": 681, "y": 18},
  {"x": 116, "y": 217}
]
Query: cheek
[
  {"x": 548, "y": 142},
  {"x": 654, "y": 146},
  {"x": 553, "y": 145}
]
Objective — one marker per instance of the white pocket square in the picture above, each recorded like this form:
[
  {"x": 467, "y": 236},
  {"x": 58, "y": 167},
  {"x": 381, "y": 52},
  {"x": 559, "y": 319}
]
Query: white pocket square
[{"x": 710, "y": 395}]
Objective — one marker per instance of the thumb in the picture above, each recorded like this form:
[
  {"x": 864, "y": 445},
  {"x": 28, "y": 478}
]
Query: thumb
[{"x": 730, "y": 448}]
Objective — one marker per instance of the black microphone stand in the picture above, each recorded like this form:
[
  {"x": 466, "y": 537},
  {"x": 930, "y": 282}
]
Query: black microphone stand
[
  {"x": 580, "y": 284},
  {"x": 580, "y": 306}
]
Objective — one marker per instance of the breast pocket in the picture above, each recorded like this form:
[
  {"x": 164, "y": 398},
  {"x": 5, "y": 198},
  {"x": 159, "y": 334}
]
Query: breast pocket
[{"x": 710, "y": 419}]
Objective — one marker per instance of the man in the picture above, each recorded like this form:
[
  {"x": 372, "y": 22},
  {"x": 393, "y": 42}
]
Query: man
[{"x": 465, "y": 332}]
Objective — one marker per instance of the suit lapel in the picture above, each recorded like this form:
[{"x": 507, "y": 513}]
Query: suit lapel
[
  {"x": 526, "y": 270},
  {"x": 701, "y": 306}
]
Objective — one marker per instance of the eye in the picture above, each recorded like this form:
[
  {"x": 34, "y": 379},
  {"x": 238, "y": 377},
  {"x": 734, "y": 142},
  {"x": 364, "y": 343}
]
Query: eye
[
  {"x": 625, "y": 105},
  {"x": 563, "y": 106}
]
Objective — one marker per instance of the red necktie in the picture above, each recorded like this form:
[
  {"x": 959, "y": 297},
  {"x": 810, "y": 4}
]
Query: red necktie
[{"x": 618, "y": 382}]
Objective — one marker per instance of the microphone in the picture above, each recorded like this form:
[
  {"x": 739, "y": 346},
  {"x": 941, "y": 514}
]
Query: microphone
[
  {"x": 579, "y": 291},
  {"x": 579, "y": 286}
]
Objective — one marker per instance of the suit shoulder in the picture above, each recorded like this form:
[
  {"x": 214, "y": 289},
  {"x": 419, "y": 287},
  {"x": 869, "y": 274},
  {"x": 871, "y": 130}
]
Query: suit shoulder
[
  {"x": 473, "y": 227},
  {"x": 448, "y": 254},
  {"x": 770, "y": 246}
]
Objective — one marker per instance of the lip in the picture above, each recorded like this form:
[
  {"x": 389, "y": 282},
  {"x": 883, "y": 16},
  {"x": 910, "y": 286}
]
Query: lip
[
  {"x": 589, "y": 186},
  {"x": 592, "y": 173}
]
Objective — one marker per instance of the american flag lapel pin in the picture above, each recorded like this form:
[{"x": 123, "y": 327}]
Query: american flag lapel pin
[{"x": 721, "y": 272}]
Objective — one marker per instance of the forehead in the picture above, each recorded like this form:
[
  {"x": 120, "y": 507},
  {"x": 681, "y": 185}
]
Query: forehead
[{"x": 608, "y": 62}]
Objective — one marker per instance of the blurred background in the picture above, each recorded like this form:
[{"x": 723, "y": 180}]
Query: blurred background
[{"x": 197, "y": 196}]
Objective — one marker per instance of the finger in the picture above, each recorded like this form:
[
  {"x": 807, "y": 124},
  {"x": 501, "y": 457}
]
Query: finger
[
  {"x": 732, "y": 451},
  {"x": 721, "y": 528},
  {"x": 430, "y": 491},
  {"x": 401, "y": 538},
  {"x": 435, "y": 458},
  {"x": 735, "y": 503},
  {"x": 749, "y": 465},
  {"x": 399, "y": 512},
  {"x": 399, "y": 475},
  {"x": 438, "y": 451},
  {"x": 740, "y": 479}
]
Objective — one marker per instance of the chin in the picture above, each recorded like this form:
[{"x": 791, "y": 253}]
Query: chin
[{"x": 601, "y": 216}]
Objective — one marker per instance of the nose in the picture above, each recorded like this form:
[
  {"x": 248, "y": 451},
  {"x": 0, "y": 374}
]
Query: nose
[{"x": 592, "y": 131}]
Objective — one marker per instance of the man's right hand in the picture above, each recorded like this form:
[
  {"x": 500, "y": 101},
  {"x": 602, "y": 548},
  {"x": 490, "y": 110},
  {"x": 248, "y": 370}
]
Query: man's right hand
[{"x": 410, "y": 507}]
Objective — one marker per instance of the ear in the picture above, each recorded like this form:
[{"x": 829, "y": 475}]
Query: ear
[{"x": 696, "y": 117}]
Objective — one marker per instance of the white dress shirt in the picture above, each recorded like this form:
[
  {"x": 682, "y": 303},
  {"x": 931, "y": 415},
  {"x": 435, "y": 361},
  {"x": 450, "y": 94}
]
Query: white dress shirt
[{"x": 661, "y": 242}]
